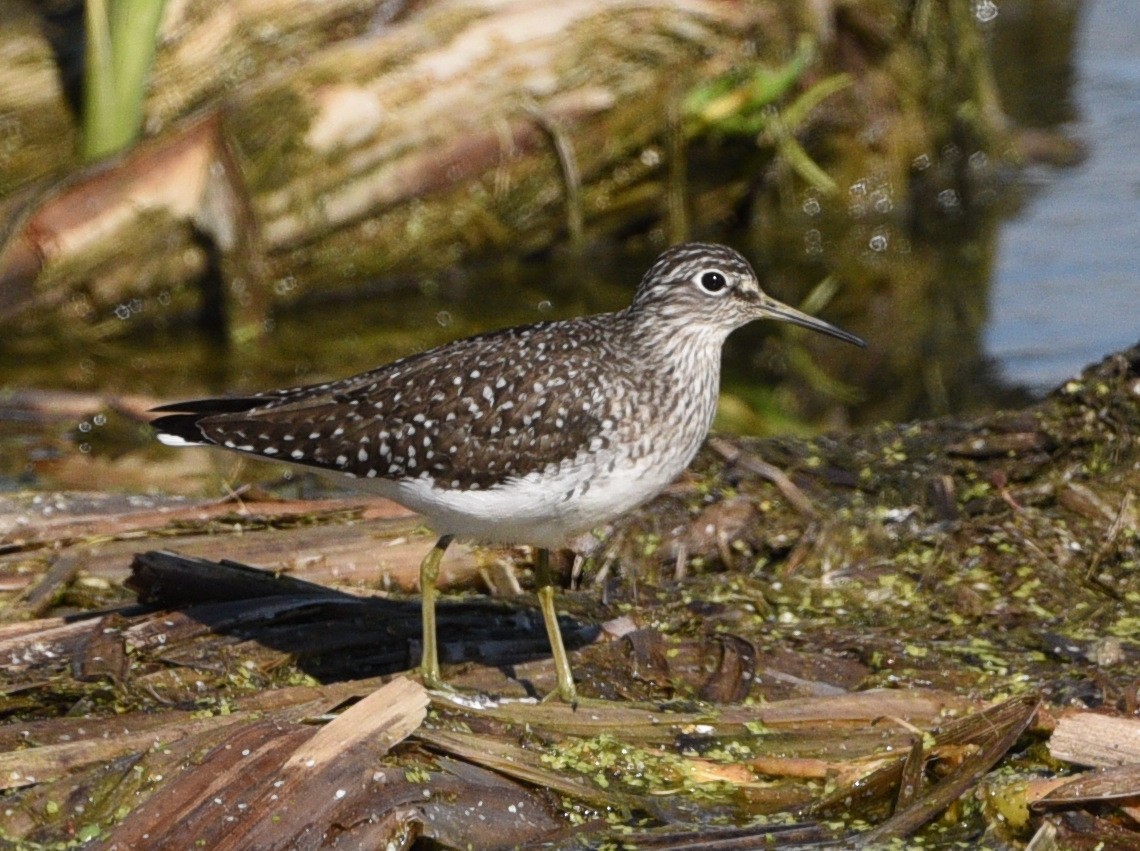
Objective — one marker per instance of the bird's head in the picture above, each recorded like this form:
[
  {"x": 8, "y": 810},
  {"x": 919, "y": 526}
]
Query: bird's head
[{"x": 713, "y": 286}]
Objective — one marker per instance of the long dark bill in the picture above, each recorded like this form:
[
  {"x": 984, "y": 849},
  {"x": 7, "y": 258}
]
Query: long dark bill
[{"x": 777, "y": 310}]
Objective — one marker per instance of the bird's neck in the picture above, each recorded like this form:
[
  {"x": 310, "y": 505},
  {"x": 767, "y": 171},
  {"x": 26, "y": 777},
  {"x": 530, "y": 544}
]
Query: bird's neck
[
  {"x": 683, "y": 360},
  {"x": 677, "y": 339}
]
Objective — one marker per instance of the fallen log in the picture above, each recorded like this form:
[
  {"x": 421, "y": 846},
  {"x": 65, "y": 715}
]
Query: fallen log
[{"x": 462, "y": 129}]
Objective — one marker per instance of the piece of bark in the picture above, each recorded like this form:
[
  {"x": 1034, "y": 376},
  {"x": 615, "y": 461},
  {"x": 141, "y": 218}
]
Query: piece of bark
[
  {"x": 733, "y": 672},
  {"x": 329, "y": 772},
  {"x": 331, "y": 788},
  {"x": 27, "y": 766},
  {"x": 42, "y": 595},
  {"x": 369, "y": 545},
  {"x": 994, "y": 732},
  {"x": 1096, "y": 740},
  {"x": 1106, "y": 784}
]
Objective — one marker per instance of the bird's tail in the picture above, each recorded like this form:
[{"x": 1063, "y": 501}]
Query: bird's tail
[{"x": 180, "y": 425}]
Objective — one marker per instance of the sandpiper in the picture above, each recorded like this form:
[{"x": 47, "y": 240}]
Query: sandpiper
[{"x": 529, "y": 435}]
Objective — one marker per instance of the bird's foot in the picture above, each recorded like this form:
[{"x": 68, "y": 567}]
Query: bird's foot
[
  {"x": 432, "y": 681},
  {"x": 564, "y": 693}
]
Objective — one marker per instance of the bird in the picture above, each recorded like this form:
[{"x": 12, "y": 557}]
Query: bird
[{"x": 529, "y": 435}]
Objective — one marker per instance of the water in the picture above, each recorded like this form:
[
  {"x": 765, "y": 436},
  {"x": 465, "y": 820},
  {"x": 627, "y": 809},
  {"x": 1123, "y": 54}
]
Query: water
[{"x": 1066, "y": 286}]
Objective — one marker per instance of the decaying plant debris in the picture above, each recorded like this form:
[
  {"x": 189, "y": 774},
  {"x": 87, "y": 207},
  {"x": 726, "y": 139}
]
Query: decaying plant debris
[{"x": 938, "y": 637}]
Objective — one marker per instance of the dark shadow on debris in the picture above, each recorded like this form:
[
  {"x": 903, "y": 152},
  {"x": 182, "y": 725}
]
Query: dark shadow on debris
[{"x": 330, "y": 635}]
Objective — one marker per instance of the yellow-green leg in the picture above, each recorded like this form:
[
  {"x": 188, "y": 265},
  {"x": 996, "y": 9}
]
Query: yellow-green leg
[
  {"x": 544, "y": 585},
  {"x": 429, "y": 573}
]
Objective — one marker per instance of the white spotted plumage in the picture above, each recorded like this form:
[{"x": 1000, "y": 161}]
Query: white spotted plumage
[{"x": 527, "y": 435}]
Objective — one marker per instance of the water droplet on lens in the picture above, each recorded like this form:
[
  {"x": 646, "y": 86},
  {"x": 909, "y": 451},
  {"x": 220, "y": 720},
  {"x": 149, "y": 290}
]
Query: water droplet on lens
[
  {"x": 813, "y": 242},
  {"x": 443, "y": 318},
  {"x": 85, "y": 426},
  {"x": 985, "y": 10},
  {"x": 878, "y": 242},
  {"x": 99, "y": 419},
  {"x": 650, "y": 157},
  {"x": 545, "y": 306},
  {"x": 85, "y": 448},
  {"x": 948, "y": 199}
]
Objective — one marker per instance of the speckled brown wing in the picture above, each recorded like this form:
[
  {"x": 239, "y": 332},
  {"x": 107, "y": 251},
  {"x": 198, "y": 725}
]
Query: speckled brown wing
[{"x": 467, "y": 415}]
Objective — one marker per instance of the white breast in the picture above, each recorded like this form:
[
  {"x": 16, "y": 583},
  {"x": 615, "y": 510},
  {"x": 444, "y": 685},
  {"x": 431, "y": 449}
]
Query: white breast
[{"x": 535, "y": 509}]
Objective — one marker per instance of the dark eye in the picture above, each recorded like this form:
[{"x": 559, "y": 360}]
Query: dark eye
[{"x": 713, "y": 282}]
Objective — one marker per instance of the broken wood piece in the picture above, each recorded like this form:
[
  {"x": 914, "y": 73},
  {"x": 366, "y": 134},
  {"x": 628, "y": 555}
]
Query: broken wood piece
[
  {"x": 1096, "y": 740},
  {"x": 386, "y": 716},
  {"x": 277, "y": 782},
  {"x": 41, "y": 596},
  {"x": 243, "y": 795},
  {"x": 995, "y": 730},
  {"x": 25, "y": 766},
  {"x": 332, "y": 770},
  {"x": 1105, "y": 784}
]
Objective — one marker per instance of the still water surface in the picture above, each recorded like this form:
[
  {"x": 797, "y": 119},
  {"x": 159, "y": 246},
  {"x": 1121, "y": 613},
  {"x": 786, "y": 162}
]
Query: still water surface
[{"x": 1066, "y": 286}]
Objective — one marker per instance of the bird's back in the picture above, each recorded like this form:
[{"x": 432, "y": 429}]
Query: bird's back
[{"x": 466, "y": 415}]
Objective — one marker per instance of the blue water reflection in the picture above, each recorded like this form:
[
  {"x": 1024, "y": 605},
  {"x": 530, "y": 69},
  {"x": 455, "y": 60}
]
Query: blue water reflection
[{"x": 1067, "y": 282}]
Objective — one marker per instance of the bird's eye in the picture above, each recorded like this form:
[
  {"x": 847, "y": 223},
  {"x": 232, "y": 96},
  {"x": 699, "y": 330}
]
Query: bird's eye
[{"x": 713, "y": 282}]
